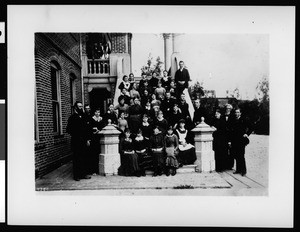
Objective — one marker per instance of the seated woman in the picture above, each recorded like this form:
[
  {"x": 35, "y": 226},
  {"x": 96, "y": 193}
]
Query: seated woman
[
  {"x": 161, "y": 122},
  {"x": 131, "y": 78},
  {"x": 145, "y": 86},
  {"x": 154, "y": 100},
  {"x": 171, "y": 142},
  {"x": 122, "y": 122},
  {"x": 125, "y": 84},
  {"x": 147, "y": 110},
  {"x": 144, "y": 158},
  {"x": 143, "y": 80},
  {"x": 146, "y": 127},
  {"x": 145, "y": 97},
  {"x": 110, "y": 114},
  {"x": 160, "y": 91},
  {"x": 187, "y": 152},
  {"x": 134, "y": 92},
  {"x": 175, "y": 116},
  {"x": 126, "y": 95},
  {"x": 129, "y": 159},
  {"x": 122, "y": 106},
  {"x": 157, "y": 145}
]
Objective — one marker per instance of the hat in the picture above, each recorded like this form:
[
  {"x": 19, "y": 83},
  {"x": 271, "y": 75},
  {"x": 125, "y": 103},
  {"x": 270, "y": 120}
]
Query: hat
[{"x": 181, "y": 121}]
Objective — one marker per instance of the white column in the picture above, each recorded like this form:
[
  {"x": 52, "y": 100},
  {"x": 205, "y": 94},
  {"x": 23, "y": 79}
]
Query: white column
[{"x": 168, "y": 49}]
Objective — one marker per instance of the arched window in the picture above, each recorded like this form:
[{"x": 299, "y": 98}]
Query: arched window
[{"x": 56, "y": 99}]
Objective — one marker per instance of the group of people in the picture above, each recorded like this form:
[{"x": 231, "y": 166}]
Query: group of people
[{"x": 155, "y": 126}]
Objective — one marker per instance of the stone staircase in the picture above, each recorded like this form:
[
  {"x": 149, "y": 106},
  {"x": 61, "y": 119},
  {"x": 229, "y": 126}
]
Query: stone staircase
[
  {"x": 184, "y": 169},
  {"x": 187, "y": 168}
]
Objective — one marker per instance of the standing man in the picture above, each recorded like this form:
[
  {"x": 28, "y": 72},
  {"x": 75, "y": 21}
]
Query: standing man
[
  {"x": 239, "y": 140},
  {"x": 87, "y": 114},
  {"x": 184, "y": 110},
  {"x": 80, "y": 140},
  {"x": 228, "y": 117},
  {"x": 182, "y": 78},
  {"x": 199, "y": 113}
]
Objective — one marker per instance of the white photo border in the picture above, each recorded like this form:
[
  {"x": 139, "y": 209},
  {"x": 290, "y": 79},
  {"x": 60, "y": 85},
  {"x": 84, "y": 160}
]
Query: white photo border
[{"x": 27, "y": 207}]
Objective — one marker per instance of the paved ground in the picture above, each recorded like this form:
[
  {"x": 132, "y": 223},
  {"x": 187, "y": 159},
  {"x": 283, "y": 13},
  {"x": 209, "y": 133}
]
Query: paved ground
[{"x": 204, "y": 184}]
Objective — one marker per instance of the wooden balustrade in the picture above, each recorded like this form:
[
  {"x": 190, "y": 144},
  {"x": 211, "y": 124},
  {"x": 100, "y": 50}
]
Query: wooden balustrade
[{"x": 98, "y": 66}]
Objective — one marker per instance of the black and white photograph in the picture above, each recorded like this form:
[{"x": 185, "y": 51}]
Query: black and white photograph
[
  {"x": 173, "y": 109},
  {"x": 177, "y": 113}
]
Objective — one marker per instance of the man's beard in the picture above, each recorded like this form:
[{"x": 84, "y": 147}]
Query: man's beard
[{"x": 80, "y": 111}]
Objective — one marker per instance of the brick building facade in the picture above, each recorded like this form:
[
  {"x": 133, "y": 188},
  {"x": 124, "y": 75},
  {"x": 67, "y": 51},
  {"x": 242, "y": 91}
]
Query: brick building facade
[
  {"x": 58, "y": 86},
  {"x": 65, "y": 74}
]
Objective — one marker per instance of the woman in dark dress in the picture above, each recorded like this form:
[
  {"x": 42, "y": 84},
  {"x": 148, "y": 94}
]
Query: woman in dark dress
[
  {"x": 148, "y": 110},
  {"x": 144, "y": 158},
  {"x": 219, "y": 142},
  {"x": 145, "y": 97},
  {"x": 171, "y": 142},
  {"x": 129, "y": 159},
  {"x": 110, "y": 114},
  {"x": 175, "y": 116},
  {"x": 161, "y": 122},
  {"x": 166, "y": 80},
  {"x": 122, "y": 106},
  {"x": 157, "y": 144},
  {"x": 97, "y": 125},
  {"x": 142, "y": 81},
  {"x": 146, "y": 127},
  {"x": 187, "y": 152},
  {"x": 135, "y": 116},
  {"x": 125, "y": 84}
]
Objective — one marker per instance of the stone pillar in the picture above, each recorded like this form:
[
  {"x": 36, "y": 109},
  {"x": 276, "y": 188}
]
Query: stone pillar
[
  {"x": 203, "y": 144},
  {"x": 109, "y": 158},
  {"x": 168, "y": 49}
]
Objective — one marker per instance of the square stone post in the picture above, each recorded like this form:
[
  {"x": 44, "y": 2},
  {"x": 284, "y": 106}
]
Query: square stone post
[
  {"x": 109, "y": 158},
  {"x": 203, "y": 144}
]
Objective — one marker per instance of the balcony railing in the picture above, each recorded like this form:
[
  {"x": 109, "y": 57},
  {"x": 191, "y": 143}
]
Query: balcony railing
[{"x": 98, "y": 66}]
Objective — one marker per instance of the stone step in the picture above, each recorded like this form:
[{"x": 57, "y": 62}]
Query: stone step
[
  {"x": 187, "y": 168},
  {"x": 184, "y": 169}
]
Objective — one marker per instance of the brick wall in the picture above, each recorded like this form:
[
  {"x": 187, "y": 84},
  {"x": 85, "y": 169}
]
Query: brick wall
[
  {"x": 53, "y": 150},
  {"x": 86, "y": 94}
]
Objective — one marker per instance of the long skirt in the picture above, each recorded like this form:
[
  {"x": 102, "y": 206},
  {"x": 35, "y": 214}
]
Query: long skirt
[
  {"x": 158, "y": 160},
  {"x": 171, "y": 161},
  {"x": 130, "y": 163},
  {"x": 145, "y": 160},
  {"x": 187, "y": 157}
]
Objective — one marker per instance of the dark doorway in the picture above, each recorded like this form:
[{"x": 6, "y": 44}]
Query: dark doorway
[{"x": 98, "y": 99}]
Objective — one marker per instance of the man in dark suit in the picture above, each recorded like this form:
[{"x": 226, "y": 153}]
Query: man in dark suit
[
  {"x": 184, "y": 110},
  {"x": 80, "y": 139},
  {"x": 228, "y": 117},
  {"x": 167, "y": 105},
  {"x": 182, "y": 78},
  {"x": 239, "y": 140},
  {"x": 199, "y": 113}
]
